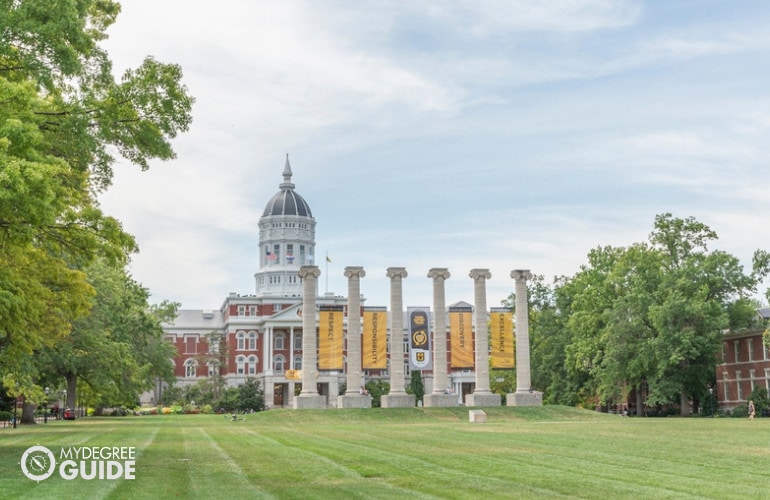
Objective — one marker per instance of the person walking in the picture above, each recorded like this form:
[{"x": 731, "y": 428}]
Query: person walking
[{"x": 752, "y": 410}]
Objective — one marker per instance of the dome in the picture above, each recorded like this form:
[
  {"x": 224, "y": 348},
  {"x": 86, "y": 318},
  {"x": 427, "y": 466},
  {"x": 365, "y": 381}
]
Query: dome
[{"x": 287, "y": 201}]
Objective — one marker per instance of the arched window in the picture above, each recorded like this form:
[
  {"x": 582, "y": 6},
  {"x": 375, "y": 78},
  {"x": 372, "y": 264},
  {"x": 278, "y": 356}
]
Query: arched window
[
  {"x": 241, "y": 341},
  {"x": 252, "y": 361},
  {"x": 298, "y": 341},
  {"x": 297, "y": 362},
  {"x": 190, "y": 367},
  {"x": 252, "y": 341},
  {"x": 239, "y": 362},
  {"x": 279, "y": 364},
  {"x": 279, "y": 341}
]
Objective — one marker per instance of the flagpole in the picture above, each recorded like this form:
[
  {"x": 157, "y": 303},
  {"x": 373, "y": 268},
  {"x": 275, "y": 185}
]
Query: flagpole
[{"x": 326, "y": 272}]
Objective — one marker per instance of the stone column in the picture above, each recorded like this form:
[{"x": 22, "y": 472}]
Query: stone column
[
  {"x": 309, "y": 397},
  {"x": 352, "y": 397},
  {"x": 397, "y": 397},
  {"x": 482, "y": 395},
  {"x": 439, "y": 396},
  {"x": 524, "y": 395}
]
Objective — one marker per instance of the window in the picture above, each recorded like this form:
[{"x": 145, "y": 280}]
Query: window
[
  {"x": 750, "y": 343},
  {"x": 241, "y": 310},
  {"x": 252, "y": 361},
  {"x": 297, "y": 362},
  {"x": 277, "y": 253},
  {"x": 276, "y": 308},
  {"x": 240, "y": 361},
  {"x": 302, "y": 255},
  {"x": 190, "y": 367},
  {"x": 725, "y": 385},
  {"x": 212, "y": 368},
  {"x": 736, "y": 348},
  {"x": 252, "y": 341},
  {"x": 753, "y": 382},
  {"x": 297, "y": 341},
  {"x": 252, "y": 310},
  {"x": 279, "y": 342},
  {"x": 738, "y": 383},
  {"x": 289, "y": 253},
  {"x": 279, "y": 364},
  {"x": 241, "y": 341},
  {"x": 190, "y": 344}
]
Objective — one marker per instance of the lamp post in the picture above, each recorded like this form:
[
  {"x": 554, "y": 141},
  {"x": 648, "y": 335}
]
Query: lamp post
[
  {"x": 711, "y": 400},
  {"x": 64, "y": 395},
  {"x": 45, "y": 406},
  {"x": 15, "y": 410}
]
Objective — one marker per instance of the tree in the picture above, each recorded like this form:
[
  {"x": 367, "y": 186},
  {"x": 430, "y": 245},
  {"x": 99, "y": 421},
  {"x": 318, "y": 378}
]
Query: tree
[
  {"x": 652, "y": 314},
  {"x": 63, "y": 118},
  {"x": 118, "y": 348},
  {"x": 250, "y": 396},
  {"x": 416, "y": 385}
]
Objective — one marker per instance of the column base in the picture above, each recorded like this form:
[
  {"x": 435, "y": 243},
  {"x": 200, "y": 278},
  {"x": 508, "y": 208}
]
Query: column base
[
  {"x": 397, "y": 401},
  {"x": 488, "y": 399},
  {"x": 441, "y": 400},
  {"x": 354, "y": 401},
  {"x": 528, "y": 398},
  {"x": 309, "y": 402}
]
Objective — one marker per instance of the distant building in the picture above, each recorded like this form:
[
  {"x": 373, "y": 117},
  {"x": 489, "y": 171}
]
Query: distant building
[
  {"x": 745, "y": 366},
  {"x": 260, "y": 335}
]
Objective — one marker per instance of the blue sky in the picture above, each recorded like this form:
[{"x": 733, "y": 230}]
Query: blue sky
[{"x": 467, "y": 134}]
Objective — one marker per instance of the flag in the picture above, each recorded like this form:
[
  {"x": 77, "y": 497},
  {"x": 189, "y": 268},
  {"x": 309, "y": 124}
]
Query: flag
[
  {"x": 328, "y": 259},
  {"x": 290, "y": 259},
  {"x": 270, "y": 255}
]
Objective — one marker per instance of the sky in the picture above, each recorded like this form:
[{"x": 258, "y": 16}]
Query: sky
[{"x": 497, "y": 134}]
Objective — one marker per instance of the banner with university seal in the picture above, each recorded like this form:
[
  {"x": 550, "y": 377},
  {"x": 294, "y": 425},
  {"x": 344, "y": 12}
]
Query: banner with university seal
[{"x": 419, "y": 338}]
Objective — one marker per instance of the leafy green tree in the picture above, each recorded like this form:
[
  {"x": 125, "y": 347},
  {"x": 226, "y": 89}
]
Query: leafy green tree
[
  {"x": 64, "y": 120},
  {"x": 416, "y": 385},
  {"x": 118, "y": 348},
  {"x": 376, "y": 388},
  {"x": 250, "y": 396}
]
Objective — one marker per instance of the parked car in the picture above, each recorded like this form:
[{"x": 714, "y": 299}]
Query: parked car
[{"x": 69, "y": 414}]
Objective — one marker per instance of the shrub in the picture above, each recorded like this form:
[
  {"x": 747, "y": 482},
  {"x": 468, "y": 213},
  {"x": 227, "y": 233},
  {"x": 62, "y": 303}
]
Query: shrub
[
  {"x": 5, "y": 416},
  {"x": 207, "y": 409}
]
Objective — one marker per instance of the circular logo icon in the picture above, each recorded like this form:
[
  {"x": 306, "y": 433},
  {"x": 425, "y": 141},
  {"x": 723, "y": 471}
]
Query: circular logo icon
[
  {"x": 419, "y": 337},
  {"x": 38, "y": 463}
]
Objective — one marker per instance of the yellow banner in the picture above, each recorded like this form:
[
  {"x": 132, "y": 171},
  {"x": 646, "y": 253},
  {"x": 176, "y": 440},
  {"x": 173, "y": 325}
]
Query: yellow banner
[
  {"x": 374, "y": 346},
  {"x": 330, "y": 338},
  {"x": 501, "y": 339},
  {"x": 461, "y": 338}
]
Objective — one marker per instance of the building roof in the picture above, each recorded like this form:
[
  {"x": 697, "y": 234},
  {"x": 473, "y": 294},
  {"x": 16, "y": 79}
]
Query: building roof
[
  {"x": 197, "y": 318},
  {"x": 287, "y": 201},
  {"x": 764, "y": 312}
]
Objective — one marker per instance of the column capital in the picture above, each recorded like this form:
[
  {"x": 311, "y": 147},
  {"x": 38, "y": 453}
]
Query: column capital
[
  {"x": 518, "y": 274},
  {"x": 439, "y": 273},
  {"x": 306, "y": 271},
  {"x": 393, "y": 272},
  {"x": 356, "y": 271},
  {"x": 479, "y": 274}
]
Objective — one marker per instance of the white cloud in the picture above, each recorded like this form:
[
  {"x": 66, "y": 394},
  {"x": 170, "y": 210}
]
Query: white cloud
[{"x": 469, "y": 134}]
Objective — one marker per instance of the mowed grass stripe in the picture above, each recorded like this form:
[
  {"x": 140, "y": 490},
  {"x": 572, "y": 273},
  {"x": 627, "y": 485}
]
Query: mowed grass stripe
[
  {"x": 549, "y": 452},
  {"x": 410, "y": 465}
]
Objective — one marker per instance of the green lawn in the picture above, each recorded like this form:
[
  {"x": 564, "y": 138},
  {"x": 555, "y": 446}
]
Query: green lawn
[{"x": 408, "y": 453}]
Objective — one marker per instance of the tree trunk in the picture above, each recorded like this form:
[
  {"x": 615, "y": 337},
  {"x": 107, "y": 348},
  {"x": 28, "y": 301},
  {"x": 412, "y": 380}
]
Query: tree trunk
[
  {"x": 684, "y": 403},
  {"x": 72, "y": 384},
  {"x": 28, "y": 413},
  {"x": 639, "y": 402}
]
